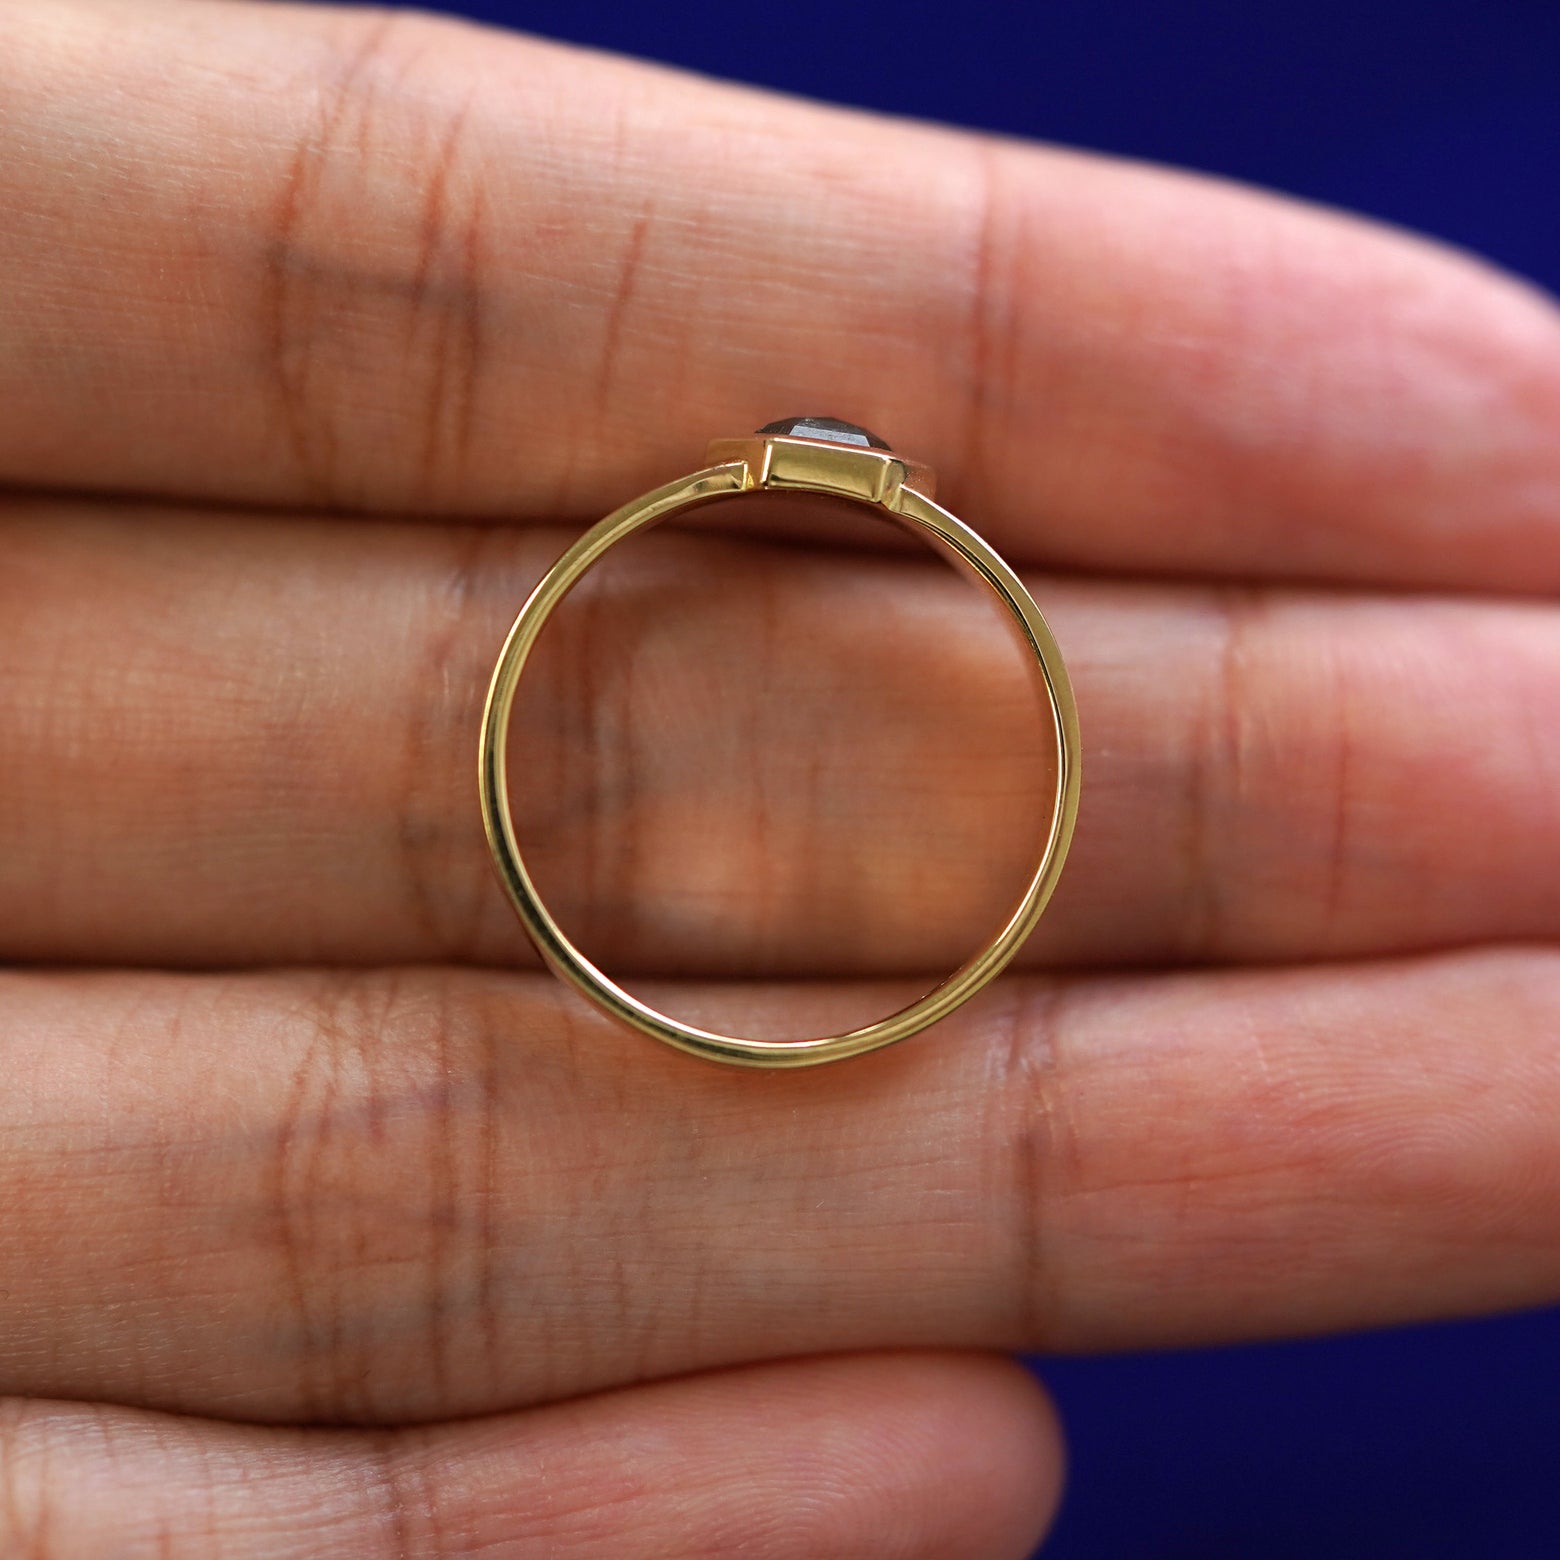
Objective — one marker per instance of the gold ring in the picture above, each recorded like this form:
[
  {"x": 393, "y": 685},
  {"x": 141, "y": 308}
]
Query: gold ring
[{"x": 799, "y": 455}]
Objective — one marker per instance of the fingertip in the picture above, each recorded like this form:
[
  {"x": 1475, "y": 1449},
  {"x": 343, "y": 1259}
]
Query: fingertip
[
  {"x": 963, "y": 1452},
  {"x": 905, "y": 1455},
  {"x": 1000, "y": 1454}
]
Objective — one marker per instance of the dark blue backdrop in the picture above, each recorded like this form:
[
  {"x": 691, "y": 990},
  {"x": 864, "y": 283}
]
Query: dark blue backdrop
[{"x": 1441, "y": 114}]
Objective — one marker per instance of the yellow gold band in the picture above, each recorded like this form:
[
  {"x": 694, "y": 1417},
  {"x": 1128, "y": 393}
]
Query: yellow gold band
[{"x": 898, "y": 488}]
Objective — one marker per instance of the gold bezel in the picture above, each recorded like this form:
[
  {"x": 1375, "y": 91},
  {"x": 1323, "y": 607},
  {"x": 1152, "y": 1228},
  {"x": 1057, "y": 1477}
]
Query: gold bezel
[{"x": 789, "y": 462}]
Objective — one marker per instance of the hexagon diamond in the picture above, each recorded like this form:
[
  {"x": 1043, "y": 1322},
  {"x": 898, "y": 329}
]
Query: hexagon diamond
[{"x": 831, "y": 429}]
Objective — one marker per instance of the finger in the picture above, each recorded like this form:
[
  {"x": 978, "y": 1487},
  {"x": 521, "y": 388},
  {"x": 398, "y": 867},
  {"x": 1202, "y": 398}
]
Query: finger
[
  {"x": 890, "y": 1457},
  {"x": 259, "y": 746},
  {"x": 410, "y": 1195},
  {"x": 394, "y": 263}
]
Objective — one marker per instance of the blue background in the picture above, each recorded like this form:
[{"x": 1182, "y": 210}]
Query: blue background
[{"x": 1440, "y": 114}]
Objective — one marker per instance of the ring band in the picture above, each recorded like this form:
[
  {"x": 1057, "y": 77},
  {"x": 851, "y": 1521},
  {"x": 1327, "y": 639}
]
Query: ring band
[{"x": 798, "y": 455}]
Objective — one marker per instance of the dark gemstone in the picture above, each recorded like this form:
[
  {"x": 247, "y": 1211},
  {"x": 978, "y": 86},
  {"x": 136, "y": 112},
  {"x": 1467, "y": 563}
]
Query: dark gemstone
[{"x": 830, "y": 428}]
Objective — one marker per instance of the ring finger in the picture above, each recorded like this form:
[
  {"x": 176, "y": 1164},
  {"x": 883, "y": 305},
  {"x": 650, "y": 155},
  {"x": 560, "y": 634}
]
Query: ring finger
[{"x": 419, "y": 1193}]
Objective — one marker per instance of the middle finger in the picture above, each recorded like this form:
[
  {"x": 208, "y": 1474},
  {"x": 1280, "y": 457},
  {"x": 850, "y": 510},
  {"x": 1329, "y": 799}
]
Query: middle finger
[{"x": 258, "y": 746}]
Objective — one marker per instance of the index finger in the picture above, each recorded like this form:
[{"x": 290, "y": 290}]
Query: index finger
[{"x": 386, "y": 262}]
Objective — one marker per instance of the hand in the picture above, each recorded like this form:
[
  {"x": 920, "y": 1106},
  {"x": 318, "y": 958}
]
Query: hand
[{"x": 294, "y": 1131}]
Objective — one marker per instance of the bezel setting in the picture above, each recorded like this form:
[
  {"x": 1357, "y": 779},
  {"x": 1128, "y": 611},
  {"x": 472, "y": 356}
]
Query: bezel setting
[{"x": 791, "y": 462}]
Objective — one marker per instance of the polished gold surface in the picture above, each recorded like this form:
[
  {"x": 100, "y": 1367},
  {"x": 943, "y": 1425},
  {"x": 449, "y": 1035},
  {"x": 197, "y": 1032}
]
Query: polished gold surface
[{"x": 902, "y": 490}]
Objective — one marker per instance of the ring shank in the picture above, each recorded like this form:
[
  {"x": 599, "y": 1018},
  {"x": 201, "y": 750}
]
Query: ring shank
[{"x": 950, "y": 537}]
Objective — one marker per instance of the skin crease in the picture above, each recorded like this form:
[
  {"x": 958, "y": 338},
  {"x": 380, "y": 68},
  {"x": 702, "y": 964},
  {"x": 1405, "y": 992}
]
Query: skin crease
[{"x": 325, "y": 1219}]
